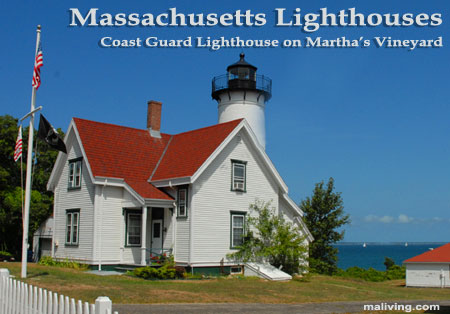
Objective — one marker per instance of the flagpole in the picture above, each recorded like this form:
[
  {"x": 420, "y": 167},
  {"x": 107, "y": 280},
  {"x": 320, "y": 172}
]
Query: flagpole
[{"x": 26, "y": 216}]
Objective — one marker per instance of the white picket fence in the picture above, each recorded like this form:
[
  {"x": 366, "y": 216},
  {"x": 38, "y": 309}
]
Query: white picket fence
[{"x": 17, "y": 297}]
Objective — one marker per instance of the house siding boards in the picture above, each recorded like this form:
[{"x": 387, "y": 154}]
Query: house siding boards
[
  {"x": 427, "y": 274},
  {"x": 213, "y": 200},
  {"x": 82, "y": 198},
  {"x": 182, "y": 240},
  {"x": 108, "y": 224},
  {"x": 286, "y": 211}
]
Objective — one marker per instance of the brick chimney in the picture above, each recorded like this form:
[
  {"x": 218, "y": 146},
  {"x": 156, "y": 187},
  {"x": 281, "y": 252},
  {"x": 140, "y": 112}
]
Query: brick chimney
[{"x": 154, "y": 118}]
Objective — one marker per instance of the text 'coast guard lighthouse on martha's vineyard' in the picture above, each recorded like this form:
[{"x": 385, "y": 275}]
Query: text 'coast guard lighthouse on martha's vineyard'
[{"x": 241, "y": 93}]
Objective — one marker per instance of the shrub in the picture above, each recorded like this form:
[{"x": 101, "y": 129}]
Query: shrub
[
  {"x": 388, "y": 262},
  {"x": 394, "y": 272},
  {"x": 164, "y": 272},
  {"x": 168, "y": 270},
  {"x": 5, "y": 256},
  {"x": 49, "y": 261},
  {"x": 270, "y": 238}
]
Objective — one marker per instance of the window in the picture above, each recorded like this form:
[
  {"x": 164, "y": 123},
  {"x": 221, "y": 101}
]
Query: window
[
  {"x": 237, "y": 228},
  {"x": 238, "y": 175},
  {"x": 236, "y": 270},
  {"x": 72, "y": 226},
  {"x": 75, "y": 173},
  {"x": 182, "y": 202},
  {"x": 134, "y": 224}
]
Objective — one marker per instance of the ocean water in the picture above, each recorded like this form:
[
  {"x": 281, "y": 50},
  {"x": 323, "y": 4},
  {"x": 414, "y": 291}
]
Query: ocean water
[{"x": 354, "y": 254}]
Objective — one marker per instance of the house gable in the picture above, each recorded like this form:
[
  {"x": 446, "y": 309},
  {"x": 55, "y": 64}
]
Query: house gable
[
  {"x": 72, "y": 140},
  {"x": 214, "y": 200}
]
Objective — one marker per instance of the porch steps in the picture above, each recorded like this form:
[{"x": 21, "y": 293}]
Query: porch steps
[{"x": 125, "y": 268}]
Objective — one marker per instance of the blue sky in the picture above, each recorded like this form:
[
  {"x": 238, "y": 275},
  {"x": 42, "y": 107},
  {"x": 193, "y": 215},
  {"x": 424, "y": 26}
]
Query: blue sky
[{"x": 375, "y": 119}]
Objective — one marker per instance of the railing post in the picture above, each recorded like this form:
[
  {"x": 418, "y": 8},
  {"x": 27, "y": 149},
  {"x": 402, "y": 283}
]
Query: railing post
[
  {"x": 102, "y": 305},
  {"x": 4, "y": 277},
  {"x": 4, "y": 272}
]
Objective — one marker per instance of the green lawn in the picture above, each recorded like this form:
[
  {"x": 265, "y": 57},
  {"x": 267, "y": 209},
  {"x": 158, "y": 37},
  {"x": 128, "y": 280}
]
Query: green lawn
[{"x": 125, "y": 289}]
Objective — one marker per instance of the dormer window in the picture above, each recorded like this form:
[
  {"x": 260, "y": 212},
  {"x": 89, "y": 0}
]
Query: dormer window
[
  {"x": 75, "y": 173},
  {"x": 238, "y": 175}
]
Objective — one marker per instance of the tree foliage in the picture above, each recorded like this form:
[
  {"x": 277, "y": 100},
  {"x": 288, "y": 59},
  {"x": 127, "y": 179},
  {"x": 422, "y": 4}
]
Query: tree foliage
[
  {"x": 324, "y": 215},
  {"x": 10, "y": 185},
  {"x": 269, "y": 238},
  {"x": 388, "y": 262}
]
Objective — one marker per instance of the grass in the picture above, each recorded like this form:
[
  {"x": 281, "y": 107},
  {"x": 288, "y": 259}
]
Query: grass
[{"x": 124, "y": 289}]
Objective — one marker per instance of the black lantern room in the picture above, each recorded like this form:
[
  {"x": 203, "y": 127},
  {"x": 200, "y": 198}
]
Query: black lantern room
[{"x": 241, "y": 76}]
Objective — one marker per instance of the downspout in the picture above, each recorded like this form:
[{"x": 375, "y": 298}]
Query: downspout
[
  {"x": 174, "y": 240},
  {"x": 100, "y": 209},
  {"x": 191, "y": 216}
]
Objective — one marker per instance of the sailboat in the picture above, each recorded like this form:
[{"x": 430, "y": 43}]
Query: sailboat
[
  {"x": 406, "y": 244},
  {"x": 364, "y": 245}
]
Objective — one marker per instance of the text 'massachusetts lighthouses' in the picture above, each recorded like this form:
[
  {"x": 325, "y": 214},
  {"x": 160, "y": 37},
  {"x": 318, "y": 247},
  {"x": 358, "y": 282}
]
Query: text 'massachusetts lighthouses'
[{"x": 241, "y": 93}]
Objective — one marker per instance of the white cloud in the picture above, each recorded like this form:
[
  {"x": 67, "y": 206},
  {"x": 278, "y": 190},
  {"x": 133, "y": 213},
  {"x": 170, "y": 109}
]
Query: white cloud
[
  {"x": 386, "y": 219},
  {"x": 370, "y": 218},
  {"x": 404, "y": 219},
  {"x": 374, "y": 218}
]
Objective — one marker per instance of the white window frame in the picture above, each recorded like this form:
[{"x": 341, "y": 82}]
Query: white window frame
[
  {"x": 139, "y": 226},
  {"x": 238, "y": 183},
  {"x": 72, "y": 226},
  {"x": 232, "y": 228},
  {"x": 182, "y": 205},
  {"x": 75, "y": 174}
]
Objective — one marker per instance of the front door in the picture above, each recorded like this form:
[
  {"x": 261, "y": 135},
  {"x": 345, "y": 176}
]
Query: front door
[{"x": 157, "y": 229}]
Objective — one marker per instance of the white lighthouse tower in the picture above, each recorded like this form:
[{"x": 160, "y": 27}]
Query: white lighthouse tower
[{"x": 241, "y": 93}]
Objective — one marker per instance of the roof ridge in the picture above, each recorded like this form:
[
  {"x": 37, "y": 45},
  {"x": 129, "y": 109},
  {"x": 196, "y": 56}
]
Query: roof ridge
[
  {"x": 115, "y": 125},
  {"x": 144, "y": 130},
  {"x": 210, "y": 126},
  {"x": 161, "y": 158}
]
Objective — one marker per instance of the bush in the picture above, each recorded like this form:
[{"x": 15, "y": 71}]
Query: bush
[
  {"x": 168, "y": 270},
  {"x": 394, "y": 272},
  {"x": 270, "y": 238},
  {"x": 49, "y": 261},
  {"x": 5, "y": 256},
  {"x": 388, "y": 262}
]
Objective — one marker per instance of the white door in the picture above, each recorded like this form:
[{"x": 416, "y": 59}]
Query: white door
[{"x": 157, "y": 229}]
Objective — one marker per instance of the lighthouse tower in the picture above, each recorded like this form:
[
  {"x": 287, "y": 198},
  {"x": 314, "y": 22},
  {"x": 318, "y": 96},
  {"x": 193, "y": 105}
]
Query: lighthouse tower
[{"x": 241, "y": 93}]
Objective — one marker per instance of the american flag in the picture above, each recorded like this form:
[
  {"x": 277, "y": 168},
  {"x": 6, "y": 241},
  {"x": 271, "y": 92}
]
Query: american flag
[
  {"x": 18, "y": 149},
  {"x": 38, "y": 62}
]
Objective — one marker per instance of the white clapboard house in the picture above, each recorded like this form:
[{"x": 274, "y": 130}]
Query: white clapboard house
[{"x": 123, "y": 196}]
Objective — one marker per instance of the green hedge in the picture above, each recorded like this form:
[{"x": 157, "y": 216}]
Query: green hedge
[
  {"x": 394, "y": 272},
  {"x": 167, "y": 271}
]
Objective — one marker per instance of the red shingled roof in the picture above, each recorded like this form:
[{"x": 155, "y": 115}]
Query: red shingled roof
[
  {"x": 438, "y": 255},
  {"x": 188, "y": 151},
  {"x": 132, "y": 154}
]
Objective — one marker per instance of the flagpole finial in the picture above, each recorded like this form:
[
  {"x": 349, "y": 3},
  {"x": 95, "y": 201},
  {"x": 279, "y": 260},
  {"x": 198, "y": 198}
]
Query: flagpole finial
[{"x": 39, "y": 28}]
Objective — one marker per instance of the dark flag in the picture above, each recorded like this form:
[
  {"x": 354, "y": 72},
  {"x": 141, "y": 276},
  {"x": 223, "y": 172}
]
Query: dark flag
[{"x": 49, "y": 135}]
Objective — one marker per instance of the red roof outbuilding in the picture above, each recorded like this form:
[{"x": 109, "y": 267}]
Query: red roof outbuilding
[{"x": 438, "y": 255}]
